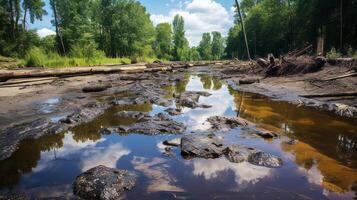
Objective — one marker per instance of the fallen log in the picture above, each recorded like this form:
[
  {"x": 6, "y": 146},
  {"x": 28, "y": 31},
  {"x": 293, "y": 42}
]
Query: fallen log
[
  {"x": 74, "y": 71},
  {"x": 302, "y": 52},
  {"x": 342, "y": 94},
  {"x": 340, "y": 77}
]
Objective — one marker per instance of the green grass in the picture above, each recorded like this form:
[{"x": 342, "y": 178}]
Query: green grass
[{"x": 36, "y": 57}]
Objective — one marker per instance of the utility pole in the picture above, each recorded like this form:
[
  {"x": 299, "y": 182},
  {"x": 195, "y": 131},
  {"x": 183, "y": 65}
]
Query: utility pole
[{"x": 243, "y": 28}]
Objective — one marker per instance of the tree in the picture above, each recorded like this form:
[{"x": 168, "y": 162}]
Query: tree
[
  {"x": 35, "y": 8},
  {"x": 181, "y": 49},
  {"x": 217, "y": 45},
  {"x": 163, "y": 41},
  {"x": 205, "y": 47},
  {"x": 194, "y": 54}
]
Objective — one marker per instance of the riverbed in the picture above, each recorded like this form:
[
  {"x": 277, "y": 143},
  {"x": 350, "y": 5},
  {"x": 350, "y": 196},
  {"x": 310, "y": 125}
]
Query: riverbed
[{"x": 318, "y": 150}]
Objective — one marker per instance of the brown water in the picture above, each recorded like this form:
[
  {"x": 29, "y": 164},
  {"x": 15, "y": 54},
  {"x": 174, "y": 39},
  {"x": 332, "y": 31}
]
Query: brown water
[{"x": 322, "y": 165}]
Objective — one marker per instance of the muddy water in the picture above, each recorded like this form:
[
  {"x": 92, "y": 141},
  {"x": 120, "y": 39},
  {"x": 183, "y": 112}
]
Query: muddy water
[{"x": 321, "y": 165}]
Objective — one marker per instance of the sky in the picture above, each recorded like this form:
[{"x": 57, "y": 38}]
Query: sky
[{"x": 200, "y": 16}]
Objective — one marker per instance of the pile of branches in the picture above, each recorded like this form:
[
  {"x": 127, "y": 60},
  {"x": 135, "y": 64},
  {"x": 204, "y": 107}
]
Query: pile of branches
[{"x": 292, "y": 63}]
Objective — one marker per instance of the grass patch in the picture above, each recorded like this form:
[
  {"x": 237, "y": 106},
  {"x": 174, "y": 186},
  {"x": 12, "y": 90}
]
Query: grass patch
[{"x": 37, "y": 58}]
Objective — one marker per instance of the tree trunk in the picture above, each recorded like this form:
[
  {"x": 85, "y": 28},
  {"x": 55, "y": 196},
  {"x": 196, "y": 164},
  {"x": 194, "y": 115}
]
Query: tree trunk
[
  {"x": 12, "y": 22},
  {"x": 58, "y": 34},
  {"x": 243, "y": 28},
  {"x": 24, "y": 20}
]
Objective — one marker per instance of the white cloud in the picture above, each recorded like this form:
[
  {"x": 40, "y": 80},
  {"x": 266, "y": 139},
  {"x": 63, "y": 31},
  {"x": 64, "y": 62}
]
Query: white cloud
[
  {"x": 45, "y": 32},
  {"x": 244, "y": 172},
  {"x": 200, "y": 16}
]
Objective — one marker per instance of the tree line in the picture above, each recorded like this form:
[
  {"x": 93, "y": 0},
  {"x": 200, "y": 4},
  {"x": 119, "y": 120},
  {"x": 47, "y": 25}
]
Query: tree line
[
  {"x": 93, "y": 29},
  {"x": 280, "y": 26},
  {"x": 97, "y": 28}
]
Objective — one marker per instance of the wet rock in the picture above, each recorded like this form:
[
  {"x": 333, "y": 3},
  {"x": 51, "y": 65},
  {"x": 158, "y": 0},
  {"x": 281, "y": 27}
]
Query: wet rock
[
  {"x": 85, "y": 114},
  {"x": 247, "y": 81},
  {"x": 201, "y": 146},
  {"x": 292, "y": 142},
  {"x": 220, "y": 123},
  {"x": 264, "y": 159},
  {"x": 173, "y": 111},
  {"x": 103, "y": 183},
  {"x": 11, "y": 137},
  {"x": 238, "y": 153},
  {"x": 190, "y": 98},
  {"x": 174, "y": 142},
  {"x": 205, "y": 106},
  {"x": 95, "y": 88},
  {"x": 150, "y": 125},
  {"x": 265, "y": 133},
  {"x": 132, "y": 114}
]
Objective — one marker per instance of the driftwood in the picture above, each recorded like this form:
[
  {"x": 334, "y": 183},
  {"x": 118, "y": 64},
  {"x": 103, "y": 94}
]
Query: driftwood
[
  {"x": 302, "y": 52},
  {"x": 77, "y": 71},
  {"x": 340, "y": 77},
  {"x": 342, "y": 94}
]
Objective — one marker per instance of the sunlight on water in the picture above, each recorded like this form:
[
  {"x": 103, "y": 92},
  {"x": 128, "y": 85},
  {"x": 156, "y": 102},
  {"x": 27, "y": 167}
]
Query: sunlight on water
[{"x": 322, "y": 165}]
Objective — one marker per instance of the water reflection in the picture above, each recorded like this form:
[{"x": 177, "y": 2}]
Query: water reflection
[
  {"x": 323, "y": 164},
  {"x": 156, "y": 169},
  {"x": 245, "y": 174}
]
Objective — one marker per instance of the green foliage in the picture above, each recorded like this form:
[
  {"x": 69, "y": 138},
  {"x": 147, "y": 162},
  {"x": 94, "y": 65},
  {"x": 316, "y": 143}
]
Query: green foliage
[
  {"x": 163, "y": 41},
  {"x": 194, "y": 54},
  {"x": 35, "y": 58},
  {"x": 181, "y": 48},
  {"x": 333, "y": 53},
  {"x": 205, "y": 47},
  {"x": 217, "y": 46},
  {"x": 280, "y": 26}
]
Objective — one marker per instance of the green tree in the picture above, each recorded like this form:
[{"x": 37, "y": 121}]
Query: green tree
[
  {"x": 194, "y": 54},
  {"x": 217, "y": 45},
  {"x": 205, "y": 47},
  {"x": 163, "y": 41},
  {"x": 181, "y": 48}
]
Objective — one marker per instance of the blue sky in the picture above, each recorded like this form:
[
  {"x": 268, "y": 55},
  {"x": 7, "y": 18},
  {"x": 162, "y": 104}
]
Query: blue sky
[{"x": 200, "y": 16}]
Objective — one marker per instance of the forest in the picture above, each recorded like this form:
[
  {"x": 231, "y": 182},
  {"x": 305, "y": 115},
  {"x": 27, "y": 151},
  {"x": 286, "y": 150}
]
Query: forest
[{"x": 105, "y": 31}]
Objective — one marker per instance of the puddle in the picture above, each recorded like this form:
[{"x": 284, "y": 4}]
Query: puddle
[{"x": 322, "y": 165}]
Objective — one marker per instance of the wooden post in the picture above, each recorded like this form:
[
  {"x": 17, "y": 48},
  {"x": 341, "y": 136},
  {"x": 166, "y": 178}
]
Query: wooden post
[{"x": 243, "y": 28}]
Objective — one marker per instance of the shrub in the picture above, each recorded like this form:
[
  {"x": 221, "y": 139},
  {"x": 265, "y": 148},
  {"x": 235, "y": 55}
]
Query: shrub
[
  {"x": 35, "y": 57},
  {"x": 333, "y": 53}
]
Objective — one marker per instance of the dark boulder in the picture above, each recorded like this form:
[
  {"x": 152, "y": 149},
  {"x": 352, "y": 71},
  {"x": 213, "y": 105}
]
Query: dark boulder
[
  {"x": 265, "y": 159},
  {"x": 103, "y": 183},
  {"x": 95, "y": 88},
  {"x": 150, "y": 125},
  {"x": 202, "y": 146}
]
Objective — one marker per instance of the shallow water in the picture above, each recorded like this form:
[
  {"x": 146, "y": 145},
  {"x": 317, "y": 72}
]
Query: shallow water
[{"x": 322, "y": 165}]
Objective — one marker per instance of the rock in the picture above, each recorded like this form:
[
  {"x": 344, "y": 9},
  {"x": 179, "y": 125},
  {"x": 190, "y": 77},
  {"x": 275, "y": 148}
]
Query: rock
[
  {"x": 10, "y": 138},
  {"x": 150, "y": 125},
  {"x": 246, "y": 81},
  {"x": 238, "y": 153},
  {"x": 85, "y": 114},
  {"x": 265, "y": 133},
  {"x": 220, "y": 123},
  {"x": 173, "y": 111},
  {"x": 201, "y": 146},
  {"x": 132, "y": 114},
  {"x": 292, "y": 142},
  {"x": 103, "y": 183},
  {"x": 174, "y": 142},
  {"x": 264, "y": 159},
  {"x": 95, "y": 88},
  {"x": 205, "y": 106},
  {"x": 190, "y": 98}
]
